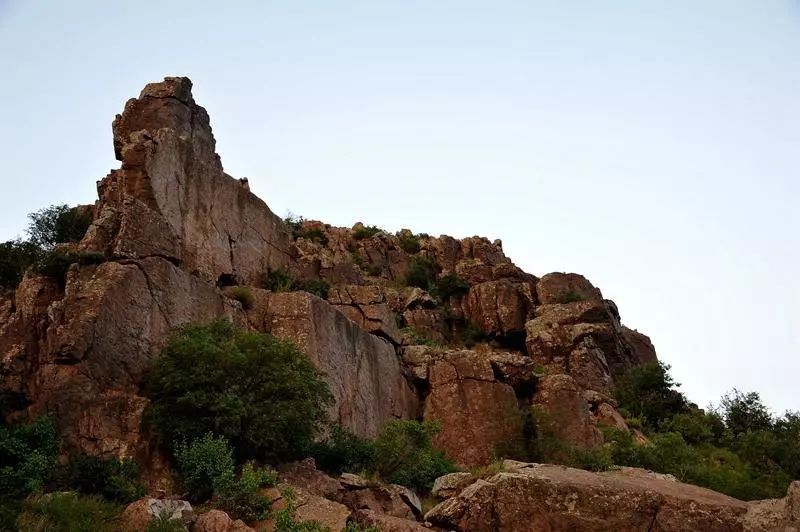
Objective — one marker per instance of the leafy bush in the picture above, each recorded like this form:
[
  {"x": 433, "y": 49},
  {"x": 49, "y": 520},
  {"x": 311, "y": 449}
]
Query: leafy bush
[
  {"x": 404, "y": 454},
  {"x": 422, "y": 273},
  {"x": 409, "y": 242},
  {"x": 58, "y": 224},
  {"x": 242, "y": 499},
  {"x": 318, "y": 287},
  {"x": 68, "y": 512},
  {"x": 16, "y": 257},
  {"x": 259, "y": 392},
  {"x": 366, "y": 231},
  {"x": 27, "y": 457},
  {"x": 56, "y": 263},
  {"x": 243, "y": 295},
  {"x": 206, "y": 466},
  {"x": 568, "y": 296},
  {"x": 278, "y": 280},
  {"x": 114, "y": 480},
  {"x": 744, "y": 412},
  {"x": 648, "y": 392},
  {"x": 450, "y": 285},
  {"x": 343, "y": 451},
  {"x": 696, "y": 426},
  {"x": 165, "y": 523}
]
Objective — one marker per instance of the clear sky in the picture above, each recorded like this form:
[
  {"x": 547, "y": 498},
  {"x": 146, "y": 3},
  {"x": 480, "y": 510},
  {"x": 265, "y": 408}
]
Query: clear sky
[{"x": 652, "y": 146}]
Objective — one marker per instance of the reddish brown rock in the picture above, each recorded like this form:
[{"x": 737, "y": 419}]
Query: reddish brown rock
[
  {"x": 562, "y": 412},
  {"x": 478, "y": 415},
  {"x": 387, "y": 523},
  {"x": 451, "y": 484},
  {"x": 549, "y": 498},
  {"x": 219, "y": 521},
  {"x": 641, "y": 347},
  {"x": 362, "y": 370},
  {"x": 367, "y": 306},
  {"x": 607, "y": 416},
  {"x": 305, "y": 475},
  {"x": 499, "y": 308},
  {"x": 565, "y": 288},
  {"x": 385, "y": 500},
  {"x": 138, "y": 514}
]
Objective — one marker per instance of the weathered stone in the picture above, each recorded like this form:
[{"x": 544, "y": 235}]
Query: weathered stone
[
  {"x": 775, "y": 515},
  {"x": 499, "y": 308},
  {"x": 514, "y": 369},
  {"x": 138, "y": 514},
  {"x": 477, "y": 414},
  {"x": 562, "y": 412},
  {"x": 305, "y": 475},
  {"x": 607, "y": 416},
  {"x": 566, "y": 287},
  {"x": 387, "y": 523},
  {"x": 386, "y": 500},
  {"x": 362, "y": 370},
  {"x": 352, "y": 481},
  {"x": 548, "y": 498},
  {"x": 451, "y": 484},
  {"x": 641, "y": 346},
  {"x": 368, "y": 308},
  {"x": 427, "y": 323},
  {"x": 219, "y": 521},
  {"x": 318, "y": 509}
]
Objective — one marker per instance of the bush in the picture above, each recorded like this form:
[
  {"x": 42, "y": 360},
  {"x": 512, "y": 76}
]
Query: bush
[
  {"x": 409, "y": 242},
  {"x": 744, "y": 412},
  {"x": 259, "y": 392},
  {"x": 278, "y": 280},
  {"x": 165, "y": 523},
  {"x": 16, "y": 257},
  {"x": 318, "y": 287},
  {"x": 27, "y": 457},
  {"x": 56, "y": 263},
  {"x": 58, "y": 224},
  {"x": 568, "y": 297},
  {"x": 696, "y": 426},
  {"x": 343, "y": 451},
  {"x": 404, "y": 454},
  {"x": 68, "y": 512},
  {"x": 647, "y": 392},
  {"x": 422, "y": 273},
  {"x": 366, "y": 231},
  {"x": 114, "y": 480},
  {"x": 243, "y": 295},
  {"x": 206, "y": 466},
  {"x": 450, "y": 285},
  {"x": 242, "y": 499}
]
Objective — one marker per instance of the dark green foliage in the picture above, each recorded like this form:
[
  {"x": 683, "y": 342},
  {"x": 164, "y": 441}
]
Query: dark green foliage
[
  {"x": 165, "y": 523},
  {"x": 257, "y": 391},
  {"x": 569, "y": 297},
  {"x": 16, "y": 256},
  {"x": 243, "y": 295},
  {"x": 696, "y": 426},
  {"x": 56, "y": 263},
  {"x": 114, "y": 480},
  {"x": 450, "y": 285},
  {"x": 68, "y": 512},
  {"x": 366, "y": 231},
  {"x": 343, "y": 451},
  {"x": 280, "y": 280},
  {"x": 404, "y": 454},
  {"x": 295, "y": 223},
  {"x": 744, "y": 412},
  {"x": 58, "y": 224},
  {"x": 242, "y": 499},
  {"x": 647, "y": 392},
  {"x": 27, "y": 457},
  {"x": 373, "y": 269},
  {"x": 422, "y": 273},
  {"x": 409, "y": 242},
  {"x": 206, "y": 465}
]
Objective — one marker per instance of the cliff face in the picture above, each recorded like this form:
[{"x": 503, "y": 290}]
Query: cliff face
[{"x": 176, "y": 231}]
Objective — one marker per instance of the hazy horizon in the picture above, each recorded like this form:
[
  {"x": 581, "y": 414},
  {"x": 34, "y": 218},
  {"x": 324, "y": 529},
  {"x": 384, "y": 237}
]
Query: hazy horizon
[{"x": 652, "y": 148}]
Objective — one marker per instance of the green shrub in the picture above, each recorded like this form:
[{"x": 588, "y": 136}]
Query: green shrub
[
  {"x": 68, "y": 512},
  {"x": 56, "y": 263},
  {"x": 568, "y": 296},
  {"x": 648, "y": 392},
  {"x": 318, "y": 287},
  {"x": 58, "y": 224},
  {"x": 259, "y": 392},
  {"x": 695, "y": 426},
  {"x": 409, "y": 242},
  {"x": 114, "y": 480},
  {"x": 422, "y": 273},
  {"x": 295, "y": 223},
  {"x": 744, "y": 412},
  {"x": 405, "y": 455},
  {"x": 366, "y": 231},
  {"x": 343, "y": 451},
  {"x": 16, "y": 257},
  {"x": 242, "y": 499},
  {"x": 206, "y": 466},
  {"x": 27, "y": 457},
  {"x": 450, "y": 285},
  {"x": 352, "y": 526},
  {"x": 278, "y": 280},
  {"x": 243, "y": 295},
  {"x": 165, "y": 523},
  {"x": 373, "y": 270}
]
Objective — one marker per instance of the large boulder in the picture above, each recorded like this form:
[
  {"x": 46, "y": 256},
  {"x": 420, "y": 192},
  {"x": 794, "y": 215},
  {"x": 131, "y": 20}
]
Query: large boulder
[
  {"x": 219, "y": 521},
  {"x": 499, "y": 308},
  {"x": 171, "y": 197},
  {"x": 566, "y": 288},
  {"x": 137, "y": 515},
  {"x": 362, "y": 369},
  {"x": 550, "y": 498},
  {"x": 561, "y": 412},
  {"x": 479, "y": 416}
]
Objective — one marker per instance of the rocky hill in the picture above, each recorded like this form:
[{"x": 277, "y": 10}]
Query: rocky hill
[{"x": 401, "y": 326}]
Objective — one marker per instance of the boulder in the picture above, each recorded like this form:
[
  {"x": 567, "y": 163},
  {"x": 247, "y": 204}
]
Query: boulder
[
  {"x": 550, "y": 498},
  {"x": 386, "y": 523},
  {"x": 367, "y": 307},
  {"x": 305, "y": 475},
  {"x": 451, "y": 484},
  {"x": 389, "y": 500},
  {"x": 499, "y": 308},
  {"x": 641, "y": 347},
  {"x": 478, "y": 415},
  {"x": 219, "y": 521},
  {"x": 138, "y": 514},
  {"x": 327, "y": 513},
  {"x": 775, "y": 515},
  {"x": 565, "y": 288},
  {"x": 561, "y": 412},
  {"x": 362, "y": 370}
]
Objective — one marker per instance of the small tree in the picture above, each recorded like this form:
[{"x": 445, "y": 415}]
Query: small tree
[
  {"x": 57, "y": 224},
  {"x": 648, "y": 392},
  {"x": 259, "y": 392},
  {"x": 744, "y": 412}
]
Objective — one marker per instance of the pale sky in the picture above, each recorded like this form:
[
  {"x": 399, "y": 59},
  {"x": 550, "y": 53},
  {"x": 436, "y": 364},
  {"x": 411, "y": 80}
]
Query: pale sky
[{"x": 652, "y": 146}]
